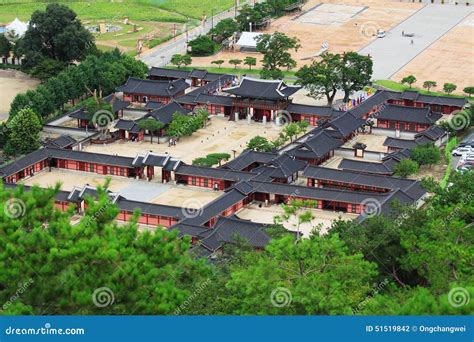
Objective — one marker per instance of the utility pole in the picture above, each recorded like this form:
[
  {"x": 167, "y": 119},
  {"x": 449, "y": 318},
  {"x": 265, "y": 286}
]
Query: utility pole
[{"x": 187, "y": 35}]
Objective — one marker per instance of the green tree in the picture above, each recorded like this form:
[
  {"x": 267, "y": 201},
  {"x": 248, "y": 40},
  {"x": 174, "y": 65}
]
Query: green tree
[
  {"x": 259, "y": 144},
  {"x": 218, "y": 62},
  {"x": 321, "y": 78},
  {"x": 47, "y": 68},
  {"x": 152, "y": 126},
  {"x": 24, "y": 130},
  {"x": 275, "y": 49},
  {"x": 140, "y": 272},
  {"x": 224, "y": 29},
  {"x": 204, "y": 161},
  {"x": 177, "y": 60},
  {"x": 405, "y": 168},
  {"x": 302, "y": 126},
  {"x": 5, "y": 46},
  {"x": 291, "y": 130},
  {"x": 356, "y": 73},
  {"x": 426, "y": 154},
  {"x": 429, "y": 84},
  {"x": 410, "y": 79},
  {"x": 203, "y": 46},
  {"x": 449, "y": 87},
  {"x": 297, "y": 211},
  {"x": 250, "y": 61},
  {"x": 469, "y": 91},
  {"x": 55, "y": 33},
  {"x": 235, "y": 62},
  {"x": 219, "y": 157}
]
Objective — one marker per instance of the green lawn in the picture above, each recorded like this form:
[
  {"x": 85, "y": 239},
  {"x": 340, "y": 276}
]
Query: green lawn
[
  {"x": 136, "y": 10},
  {"x": 392, "y": 85}
]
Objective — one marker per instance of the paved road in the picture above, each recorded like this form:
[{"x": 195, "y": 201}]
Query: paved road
[
  {"x": 161, "y": 55},
  {"x": 428, "y": 24}
]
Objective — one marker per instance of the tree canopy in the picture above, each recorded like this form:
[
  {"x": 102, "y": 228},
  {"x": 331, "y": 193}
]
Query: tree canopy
[
  {"x": 55, "y": 33},
  {"x": 24, "y": 129},
  {"x": 276, "y": 48}
]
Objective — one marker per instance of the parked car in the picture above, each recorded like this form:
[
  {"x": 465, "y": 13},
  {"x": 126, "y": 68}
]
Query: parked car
[
  {"x": 461, "y": 150},
  {"x": 380, "y": 34}
]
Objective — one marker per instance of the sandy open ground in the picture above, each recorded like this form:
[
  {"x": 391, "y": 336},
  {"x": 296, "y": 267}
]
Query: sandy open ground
[
  {"x": 154, "y": 192},
  {"x": 373, "y": 142},
  {"x": 13, "y": 82},
  {"x": 450, "y": 59},
  {"x": 266, "y": 215},
  {"x": 187, "y": 197},
  {"x": 346, "y": 25},
  {"x": 221, "y": 135}
]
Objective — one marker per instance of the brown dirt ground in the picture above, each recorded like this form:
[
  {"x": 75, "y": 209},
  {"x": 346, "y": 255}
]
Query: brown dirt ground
[
  {"x": 450, "y": 59},
  {"x": 346, "y": 37},
  {"x": 13, "y": 82}
]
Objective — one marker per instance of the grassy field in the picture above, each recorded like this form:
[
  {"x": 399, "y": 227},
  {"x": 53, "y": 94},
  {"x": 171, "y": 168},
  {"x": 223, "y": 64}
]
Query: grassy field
[
  {"x": 136, "y": 10},
  {"x": 392, "y": 85}
]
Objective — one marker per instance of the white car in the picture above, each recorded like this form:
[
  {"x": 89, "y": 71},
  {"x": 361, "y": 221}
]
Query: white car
[
  {"x": 461, "y": 151},
  {"x": 380, "y": 34}
]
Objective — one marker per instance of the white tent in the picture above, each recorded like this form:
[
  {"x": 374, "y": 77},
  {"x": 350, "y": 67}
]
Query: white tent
[
  {"x": 247, "y": 40},
  {"x": 16, "y": 28}
]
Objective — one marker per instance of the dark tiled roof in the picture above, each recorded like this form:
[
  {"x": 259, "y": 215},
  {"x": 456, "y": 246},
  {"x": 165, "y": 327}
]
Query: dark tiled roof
[
  {"x": 190, "y": 230},
  {"x": 214, "y": 99},
  {"x": 431, "y": 99},
  {"x": 358, "y": 178},
  {"x": 209, "y": 172},
  {"x": 154, "y": 88},
  {"x": 421, "y": 115},
  {"x": 399, "y": 143},
  {"x": 90, "y": 157},
  {"x": 150, "y": 208},
  {"x": 327, "y": 111},
  {"x": 375, "y": 100},
  {"x": 287, "y": 165},
  {"x": 170, "y": 73},
  {"x": 116, "y": 103},
  {"x": 226, "y": 230},
  {"x": 433, "y": 133},
  {"x": 128, "y": 125},
  {"x": 79, "y": 114},
  {"x": 244, "y": 187},
  {"x": 62, "y": 141},
  {"x": 318, "y": 144},
  {"x": 165, "y": 113},
  {"x": 24, "y": 162},
  {"x": 186, "y": 99},
  {"x": 262, "y": 89},
  {"x": 154, "y": 105},
  {"x": 216, "y": 207},
  {"x": 365, "y": 167},
  {"x": 196, "y": 73},
  {"x": 247, "y": 158},
  {"x": 345, "y": 123}
]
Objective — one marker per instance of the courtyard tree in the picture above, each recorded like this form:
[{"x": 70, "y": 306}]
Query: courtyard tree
[
  {"x": 429, "y": 84},
  {"x": 203, "y": 46},
  {"x": 96, "y": 259},
  {"x": 405, "y": 168},
  {"x": 302, "y": 126},
  {"x": 5, "y": 47},
  {"x": 297, "y": 212},
  {"x": 356, "y": 73},
  {"x": 410, "y": 79},
  {"x": 250, "y": 61},
  {"x": 224, "y": 29},
  {"x": 276, "y": 53},
  {"x": 259, "y": 144},
  {"x": 469, "y": 91},
  {"x": 55, "y": 33},
  {"x": 291, "y": 130},
  {"x": 151, "y": 125},
  {"x": 321, "y": 78},
  {"x": 24, "y": 129},
  {"x": 220, "y": 157},
  {"x": 448, "y": 88},
  {"x": 218, "y": 62},
  {"x": 426, "y": 154},
  {"x": 204, "y": 161},
  {"x": 235, "y": 62}
]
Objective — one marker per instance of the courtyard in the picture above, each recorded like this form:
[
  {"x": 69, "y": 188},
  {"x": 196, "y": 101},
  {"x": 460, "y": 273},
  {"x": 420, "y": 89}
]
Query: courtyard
[
  {"x": 219, "y": 136},
  {"x": 322, "y": 218}
]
